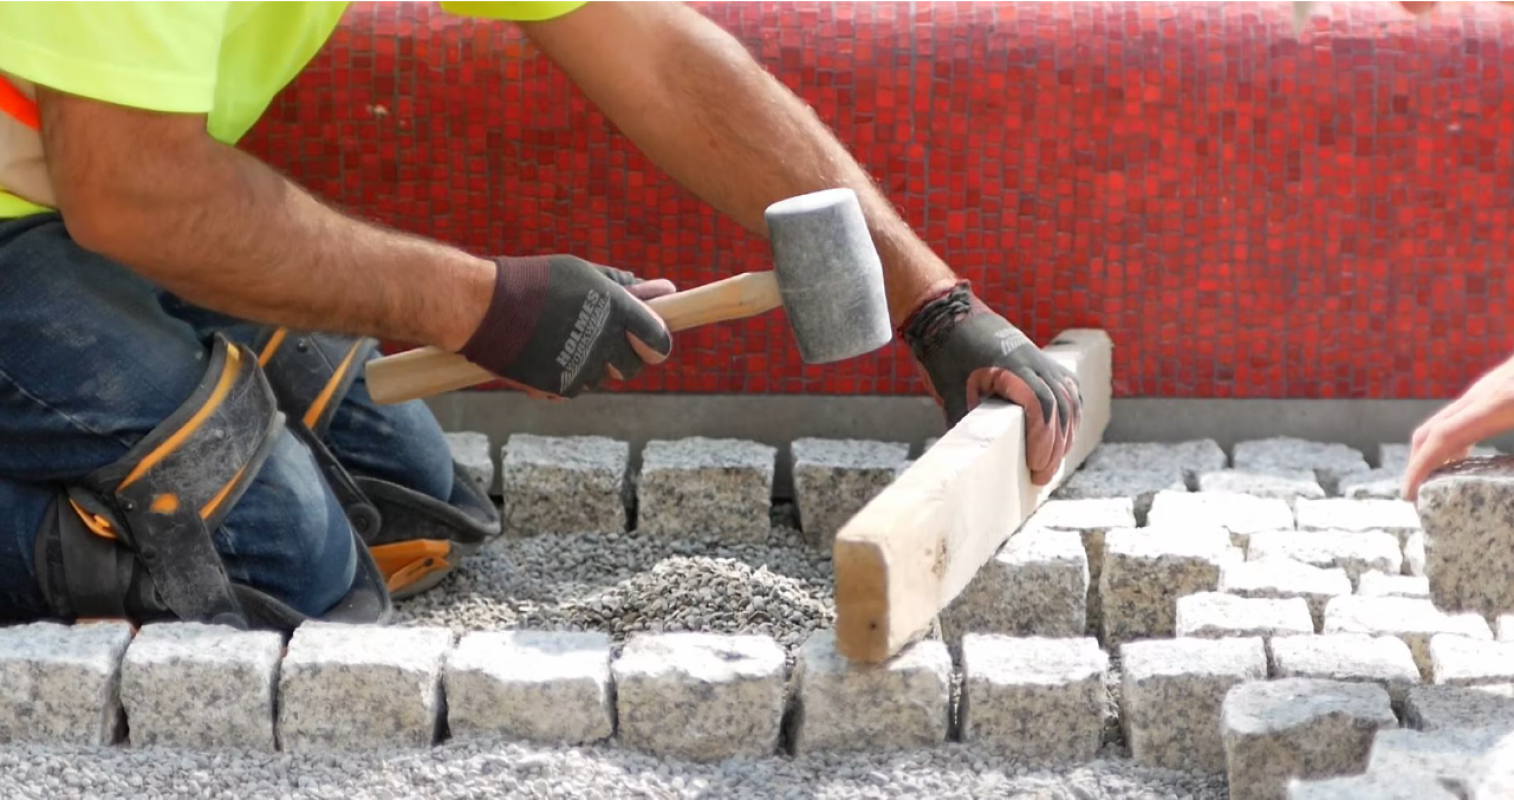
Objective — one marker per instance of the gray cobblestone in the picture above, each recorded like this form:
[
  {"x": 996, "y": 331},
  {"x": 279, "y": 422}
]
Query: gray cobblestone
[
  {"x": 845, "y": 706},
  {"x": 1171, "y": 693}
]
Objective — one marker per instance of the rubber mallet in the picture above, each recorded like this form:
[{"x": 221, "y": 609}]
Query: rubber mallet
[{"x": 826, "y": 275}]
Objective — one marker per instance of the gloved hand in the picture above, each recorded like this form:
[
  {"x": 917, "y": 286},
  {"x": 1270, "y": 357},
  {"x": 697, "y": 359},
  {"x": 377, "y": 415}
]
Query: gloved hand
[
  {"x": 558, "y": 324},
  {"x": 968, "y": 352}
]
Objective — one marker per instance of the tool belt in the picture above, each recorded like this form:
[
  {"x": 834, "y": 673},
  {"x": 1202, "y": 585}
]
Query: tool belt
[{"x": 133, "y": 539}]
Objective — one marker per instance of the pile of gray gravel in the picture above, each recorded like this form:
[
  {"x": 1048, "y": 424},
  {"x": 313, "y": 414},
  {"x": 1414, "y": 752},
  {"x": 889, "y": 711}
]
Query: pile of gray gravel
[
  {"x": 627, "y": 583},
  {"x": 493, "y": 769}
]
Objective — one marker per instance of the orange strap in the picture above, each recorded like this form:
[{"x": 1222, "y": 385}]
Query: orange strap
[
  {"x": 405, "y": 563},
  {"x": 18, "y": 106},
  {"x": 99, "y": 525}
]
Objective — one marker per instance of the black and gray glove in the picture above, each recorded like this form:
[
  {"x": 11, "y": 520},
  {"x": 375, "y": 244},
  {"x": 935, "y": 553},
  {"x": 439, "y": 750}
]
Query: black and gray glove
[
  {"x": 968, "y": 352},
  {"x": 558, "y": 324}
]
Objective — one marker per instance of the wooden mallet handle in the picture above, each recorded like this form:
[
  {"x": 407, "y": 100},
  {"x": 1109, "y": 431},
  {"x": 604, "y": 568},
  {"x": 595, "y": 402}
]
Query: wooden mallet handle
[{"x": 427, "y": 371}]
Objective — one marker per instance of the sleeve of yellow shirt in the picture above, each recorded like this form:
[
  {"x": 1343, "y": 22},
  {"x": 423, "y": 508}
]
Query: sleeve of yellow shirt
[
  {"x": 155, "y": 55},
  {"x": 511, "y": 11}
]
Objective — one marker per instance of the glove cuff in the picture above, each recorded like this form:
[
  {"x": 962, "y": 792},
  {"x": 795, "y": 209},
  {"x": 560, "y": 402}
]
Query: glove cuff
[
  {"x": 939, "y": 310},
  {"x": 520, "y": 294}
]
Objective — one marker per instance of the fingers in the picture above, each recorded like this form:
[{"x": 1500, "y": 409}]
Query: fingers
[
  {"x": 1069, "y": 412},
  {"x": 1063, "y": 398},
  {"x": 620, "y": 276},
  {"x": 1069, "y": 384},
  {"x": 1062, "y": 427},
  {"x": 625, "y": 361},
  {"x": 1424, "y": 459},
  {"x": 646, "y": 352},
  {"x": 651, "y": 290},
  {"x": 1468, "y": 398},
  {"x": 1449, "y": 437},
  {"x": 1065, "y": 430},
  {"x": 1042, "y": 473},
  {"x": 1041, "y": 433},
  {"x": 1076, "y": 393},
  {"x": 1051, "y": 408},
  {"x": 622, "y": 361},
  {"x": 649, "y": 335},
  {"x": 647, "y": 338},
  {"x": 1044, "y": 476},
  {"x": 641, "y": 290}
]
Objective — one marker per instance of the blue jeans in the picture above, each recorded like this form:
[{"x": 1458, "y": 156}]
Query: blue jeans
[{"x": 93, "y": 357}]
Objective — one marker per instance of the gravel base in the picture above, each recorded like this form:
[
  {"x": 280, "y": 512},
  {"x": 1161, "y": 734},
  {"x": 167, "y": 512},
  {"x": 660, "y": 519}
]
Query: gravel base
[{"x": 491, "y": 768}]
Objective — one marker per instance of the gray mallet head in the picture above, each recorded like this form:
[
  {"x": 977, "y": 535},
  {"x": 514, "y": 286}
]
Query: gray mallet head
[{"x": 829, "y": 275}]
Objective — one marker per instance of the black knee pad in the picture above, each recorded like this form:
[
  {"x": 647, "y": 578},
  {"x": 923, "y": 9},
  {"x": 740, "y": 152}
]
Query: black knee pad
[
  {"x": 311, "y": 372},
  {"x": 415, "y": 539},
  {"x": 421, "y": 538},
  {"x": 133, "y": 539}
]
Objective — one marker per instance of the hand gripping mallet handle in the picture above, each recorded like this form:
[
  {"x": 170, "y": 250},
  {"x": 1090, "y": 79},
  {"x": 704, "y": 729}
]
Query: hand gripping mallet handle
[{"x": 428, "y": 371}]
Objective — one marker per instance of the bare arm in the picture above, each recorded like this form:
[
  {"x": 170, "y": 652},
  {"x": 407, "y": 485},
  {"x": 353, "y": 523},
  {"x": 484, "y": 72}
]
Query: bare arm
[
  {"x": 692, "y": 98},
  {"x": 220, "y": 229}
]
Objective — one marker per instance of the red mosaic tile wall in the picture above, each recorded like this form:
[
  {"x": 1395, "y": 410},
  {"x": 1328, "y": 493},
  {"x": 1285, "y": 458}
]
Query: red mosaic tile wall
[{"x": 1248, "y": 214}]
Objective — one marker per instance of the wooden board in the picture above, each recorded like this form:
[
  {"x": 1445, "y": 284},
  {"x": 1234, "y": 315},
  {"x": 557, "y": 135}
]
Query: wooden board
[{"x": 911, "y": 550}]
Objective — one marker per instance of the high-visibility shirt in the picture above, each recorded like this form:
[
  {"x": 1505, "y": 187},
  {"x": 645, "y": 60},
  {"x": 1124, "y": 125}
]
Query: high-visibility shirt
[{"x": 226, "y": 60}]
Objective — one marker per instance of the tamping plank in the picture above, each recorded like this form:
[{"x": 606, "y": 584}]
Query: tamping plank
[{"x": 911, "y": 550}]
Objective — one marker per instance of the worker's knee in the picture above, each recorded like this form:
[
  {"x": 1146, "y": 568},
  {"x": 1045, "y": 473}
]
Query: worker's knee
[
  {"x": 400, "y": 443},
  {"x": 288, "y": 535}
]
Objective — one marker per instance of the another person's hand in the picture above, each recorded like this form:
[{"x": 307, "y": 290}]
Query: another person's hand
[
  {"x": 557, "y": 325},
  {"x": 1421, "y": 9},
  {"x": 1485, "y": 410},
  {"x": 968, "y": 352}
]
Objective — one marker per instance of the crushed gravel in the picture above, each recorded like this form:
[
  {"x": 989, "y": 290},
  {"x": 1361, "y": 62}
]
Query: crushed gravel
[
  {"x": 627, "y": 583},
  {"x": 1114, "y": 734},
  {"x": 493, "y": 769}
]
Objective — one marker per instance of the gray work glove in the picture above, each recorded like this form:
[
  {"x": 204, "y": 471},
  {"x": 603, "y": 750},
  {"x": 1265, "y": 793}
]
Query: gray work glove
[
  {"x": 968, "y": 352},
  {"x": 558, "y": 324}
]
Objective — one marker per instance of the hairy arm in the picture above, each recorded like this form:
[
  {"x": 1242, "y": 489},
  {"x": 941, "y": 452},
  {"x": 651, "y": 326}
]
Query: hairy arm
[
  {"x": 692, "y": 98},
  {"x": 217, "y": 227}
]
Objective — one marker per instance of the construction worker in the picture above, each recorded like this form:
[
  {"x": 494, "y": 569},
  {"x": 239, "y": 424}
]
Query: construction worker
[{"x": 184, "y": 427}]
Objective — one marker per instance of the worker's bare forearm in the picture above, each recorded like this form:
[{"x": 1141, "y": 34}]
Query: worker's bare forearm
[
  {"x": 222, "y": 230},
  {"x": 691, "y": 97}
]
